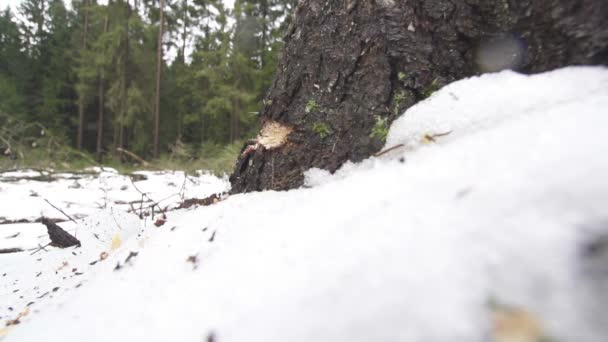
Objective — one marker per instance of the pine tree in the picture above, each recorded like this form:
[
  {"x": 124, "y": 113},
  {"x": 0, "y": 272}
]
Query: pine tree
[
  {"x": 57, "y": 91},
  {"x": 13, "y": 66}
]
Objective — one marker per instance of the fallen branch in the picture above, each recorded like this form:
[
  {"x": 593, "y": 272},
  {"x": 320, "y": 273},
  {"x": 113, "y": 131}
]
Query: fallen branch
[
  {"x": 201, "y": 201},
  {"x": 10, "y": 250},
  {"x": 133, "y": 155},
  {"x": 437, "y": 135},
  {"x": 38, "y": 220},
  {"x": 388, "y": 150},
  {"x": 13, "y": 236},
  {"x": 128, "y": 202}
]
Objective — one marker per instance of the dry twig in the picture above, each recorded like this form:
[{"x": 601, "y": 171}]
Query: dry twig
[
  {"x": 61, "y": 211},
  {"x": 388, "y": 150}
]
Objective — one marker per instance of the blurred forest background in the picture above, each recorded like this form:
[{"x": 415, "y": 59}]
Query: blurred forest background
[{"x": 80, "y": 83}]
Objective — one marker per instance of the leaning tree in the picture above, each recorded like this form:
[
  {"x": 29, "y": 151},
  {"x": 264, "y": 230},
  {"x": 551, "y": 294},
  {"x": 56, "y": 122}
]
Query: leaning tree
[{"x": 350, "y": 67}]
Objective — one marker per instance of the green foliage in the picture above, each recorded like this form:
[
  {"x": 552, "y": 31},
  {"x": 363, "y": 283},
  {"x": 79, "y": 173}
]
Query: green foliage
[
  {"x": 380, "y": 129},
  {"x": 12, "y": 101},
  {"x": 14, "y": 69},
  {"x": 311, "y": 106},
  {"x": 322, "y": 129},
  {"x": 401, "y": 75}
]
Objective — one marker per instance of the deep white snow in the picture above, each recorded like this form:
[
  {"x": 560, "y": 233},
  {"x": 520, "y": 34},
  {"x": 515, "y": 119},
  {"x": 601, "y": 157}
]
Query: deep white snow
[{"x": 509, "y": 207}]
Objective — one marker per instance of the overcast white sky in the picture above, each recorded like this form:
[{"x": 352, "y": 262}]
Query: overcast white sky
[
  {"x": 15, "y": 3},
  {"x": 170, "y": 54},
  {"x": 12, "y": 3}
]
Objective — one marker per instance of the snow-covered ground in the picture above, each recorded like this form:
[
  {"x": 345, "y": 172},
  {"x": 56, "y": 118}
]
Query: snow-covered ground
[
  {"x": 490, "y": 223},
  {"x": 27, "y": 196},
  {"x": 83, "y": 194}
]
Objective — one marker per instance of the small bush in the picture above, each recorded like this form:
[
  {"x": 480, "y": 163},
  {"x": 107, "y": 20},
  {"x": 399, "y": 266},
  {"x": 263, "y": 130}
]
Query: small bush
[
  {"x": 217, "y": 158},
  {"x": 29, "y": 144}
]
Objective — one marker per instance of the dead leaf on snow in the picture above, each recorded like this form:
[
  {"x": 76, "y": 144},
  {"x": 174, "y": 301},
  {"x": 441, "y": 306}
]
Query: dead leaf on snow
[
  {"x": 515, "y": 325},
  {"x": 4, "y": 331},
  {"x": 17, "y": 320},
  {"x": 194, "y": 260},
  {"x": 116, "y": 242}
]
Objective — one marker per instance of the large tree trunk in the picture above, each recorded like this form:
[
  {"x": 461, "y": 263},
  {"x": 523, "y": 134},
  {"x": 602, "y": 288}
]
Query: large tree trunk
[{"x": 348, "y": 63}]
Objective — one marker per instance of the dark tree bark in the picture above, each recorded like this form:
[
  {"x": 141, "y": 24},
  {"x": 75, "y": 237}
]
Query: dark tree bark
[{"x": 347, "y": 63}]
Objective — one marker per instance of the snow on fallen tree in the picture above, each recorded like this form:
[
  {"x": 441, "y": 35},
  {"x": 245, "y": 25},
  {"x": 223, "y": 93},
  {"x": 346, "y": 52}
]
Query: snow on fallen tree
[{"x": 493, "y": 232}]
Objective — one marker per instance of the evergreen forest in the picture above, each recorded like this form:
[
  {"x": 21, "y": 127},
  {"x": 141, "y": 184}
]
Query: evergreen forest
[{"x": 130, "y": 80}]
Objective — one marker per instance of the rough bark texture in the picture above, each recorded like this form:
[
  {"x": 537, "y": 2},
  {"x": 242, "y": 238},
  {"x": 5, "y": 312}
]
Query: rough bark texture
[{"x": 347, "y": 63}]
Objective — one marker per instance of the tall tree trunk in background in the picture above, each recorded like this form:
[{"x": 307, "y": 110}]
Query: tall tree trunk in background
[
  {"x": 349, "y": 63},
  {"x": 183, "y": 49},
  {"x": 184, "y": 29},
  {"x": 40, "y": 23},
  {"x": 264, "y": 14},
  {"x": 207, "y": 31},
  {"x": 125, "y": 80},
  {"x": 234, "y": 119},
  {"x": 81, "y": 97},
  {"x": 159, "y": 61},
  {"x": 100, "y": 114},
  {"x": 231, "y": 136},
  {"x": 234, "y": 114}
]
